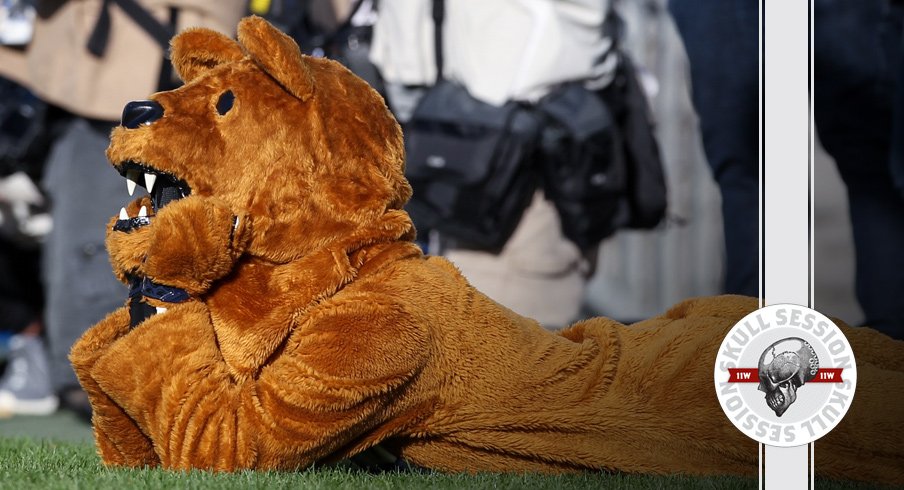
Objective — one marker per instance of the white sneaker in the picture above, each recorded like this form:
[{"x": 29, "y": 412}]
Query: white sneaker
[{"x": 25, "y": 387}]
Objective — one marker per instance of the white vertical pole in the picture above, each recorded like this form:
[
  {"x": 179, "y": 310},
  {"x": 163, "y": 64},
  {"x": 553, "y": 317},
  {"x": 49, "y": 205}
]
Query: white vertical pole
[{"x": 785, "y": 181}]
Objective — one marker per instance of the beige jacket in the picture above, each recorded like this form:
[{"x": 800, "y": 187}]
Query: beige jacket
[{"x": 58, "y": 67}]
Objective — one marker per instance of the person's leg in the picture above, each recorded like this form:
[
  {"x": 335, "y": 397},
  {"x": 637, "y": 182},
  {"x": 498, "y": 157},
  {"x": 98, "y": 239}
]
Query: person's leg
[
  {"x": 720, "y": 38},
  {"x": 85, "y": 192},
  {"x": 857, "y": 48},
  {"x": 20, "y": 287},
  {"x": 896, "y": 164},
  {"x": 25, "y": 387},
  {"x": 739, "y": 185}
]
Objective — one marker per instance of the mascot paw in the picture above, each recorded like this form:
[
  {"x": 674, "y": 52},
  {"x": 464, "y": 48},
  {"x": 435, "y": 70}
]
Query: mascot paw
[
  {"x": 189, "y": 244},
  {"x": 127, "y": 238},
  {"x": 194, "y": 242}
]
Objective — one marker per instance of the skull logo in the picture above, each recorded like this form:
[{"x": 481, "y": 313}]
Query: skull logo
[{"x": 784, "y": 367}]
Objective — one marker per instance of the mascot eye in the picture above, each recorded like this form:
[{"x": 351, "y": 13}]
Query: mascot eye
[{"x": 224, "y": 103}]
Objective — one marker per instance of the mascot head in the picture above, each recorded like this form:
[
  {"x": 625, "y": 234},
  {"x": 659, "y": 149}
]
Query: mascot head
[{"x": 299, "y": 144}]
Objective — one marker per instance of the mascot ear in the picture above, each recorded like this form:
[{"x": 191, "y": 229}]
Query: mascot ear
[
  {"x": 197, "y": 50},
  {"x": 277, "y": 54}
]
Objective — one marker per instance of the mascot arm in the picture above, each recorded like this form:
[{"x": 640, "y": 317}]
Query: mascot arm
[
  {"x": 328, "y": 386},
  {"x": 189, "y": 244}
]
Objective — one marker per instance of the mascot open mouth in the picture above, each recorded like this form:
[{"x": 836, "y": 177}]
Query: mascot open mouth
[{"x": 163, "y": 188}]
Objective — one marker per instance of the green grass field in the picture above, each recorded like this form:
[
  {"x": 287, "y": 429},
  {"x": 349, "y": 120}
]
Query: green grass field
[
  {"x": 57, "y": 452},
  {"x": 27, "y": 463}
]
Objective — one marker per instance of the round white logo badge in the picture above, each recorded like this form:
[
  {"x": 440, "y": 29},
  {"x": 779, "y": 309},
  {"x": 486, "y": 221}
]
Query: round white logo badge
[{"x": 785, "y": 375}]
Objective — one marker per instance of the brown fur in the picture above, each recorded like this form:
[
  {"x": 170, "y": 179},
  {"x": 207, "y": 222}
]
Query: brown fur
[{"x": 317, "y": 329}]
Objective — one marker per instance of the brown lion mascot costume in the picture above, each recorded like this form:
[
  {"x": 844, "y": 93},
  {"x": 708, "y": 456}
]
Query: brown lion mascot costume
[{"x": 280, "y": 314}]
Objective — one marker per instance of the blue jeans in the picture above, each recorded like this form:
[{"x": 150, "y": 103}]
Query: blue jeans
[
  {"x": 857, "y": 58},
  {"x": 857, "y": 49},
  {"x": 721, "y": 41}
]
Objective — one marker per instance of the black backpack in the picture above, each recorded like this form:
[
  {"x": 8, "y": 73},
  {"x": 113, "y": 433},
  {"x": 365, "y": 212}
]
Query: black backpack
[
  {"x": 601, "y": 163},
  {"x": 470, "y": 165},
  {"x": 474, "y": 167}
]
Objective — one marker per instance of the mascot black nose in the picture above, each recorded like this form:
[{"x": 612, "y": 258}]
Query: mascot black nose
[{"x": 141, "y": 112}]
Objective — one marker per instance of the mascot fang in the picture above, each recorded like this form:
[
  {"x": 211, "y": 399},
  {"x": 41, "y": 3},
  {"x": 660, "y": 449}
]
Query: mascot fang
[{"x": 281, "y": 315}]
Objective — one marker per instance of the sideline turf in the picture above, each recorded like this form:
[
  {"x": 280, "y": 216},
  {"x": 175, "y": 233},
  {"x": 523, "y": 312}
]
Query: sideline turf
[{"x": 44, "y": 464}]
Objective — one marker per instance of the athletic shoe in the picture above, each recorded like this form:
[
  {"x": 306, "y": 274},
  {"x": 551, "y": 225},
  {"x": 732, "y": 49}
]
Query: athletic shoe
[{"x": 25, "y": 387}]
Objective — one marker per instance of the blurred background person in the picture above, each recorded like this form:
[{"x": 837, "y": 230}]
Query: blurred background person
[
  {"x": 857, "y": 56},
  {"x": 857, "y": 46},
  {"x": 25, "y": 385},
  {"x": 87, "y": 59},
  {"x": 501, "y": 51},
  {"x": 24, "y": 222}
]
